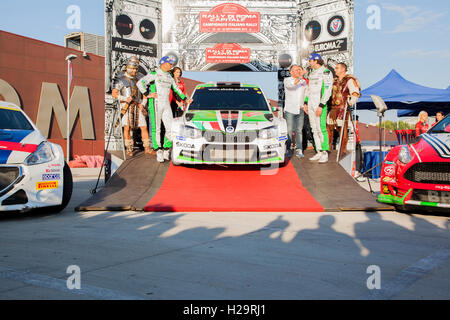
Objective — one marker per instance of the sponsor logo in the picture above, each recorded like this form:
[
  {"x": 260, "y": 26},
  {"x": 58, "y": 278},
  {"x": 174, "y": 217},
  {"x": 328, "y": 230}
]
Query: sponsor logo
[
  {"x": 124, "y": 25},
  {"x": 282, "y": 138},
  {"x": 313, "y": 30},
  {"x": 229, "y": 129},
  {"x": 134, "y": 47},
  {"x": 253, "y": 114},
  {"x": 51, "y": 176},
  {"x": 336, "y": 25},
  {"x": 181, "y": 138},
  {"x": 272, "y": 146},
  {"x": 443, "y": 187},
  {"x": 147, "y": 29},
  {"x": 388, "y": 179},
  {"x": 330, "y": 46},
  {"x": 52, "y": 170},
  {"x": 55, "y": 165},
  {"x": 47, "y": 185},
  {"x": 389, "y": 171},
  {"x": 185, "y": 145}
]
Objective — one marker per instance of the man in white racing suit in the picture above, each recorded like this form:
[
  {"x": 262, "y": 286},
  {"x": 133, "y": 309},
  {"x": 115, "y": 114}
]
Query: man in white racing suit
[
  {"x": 317, "y": 95},
  {"x": 163, "y": 82}
]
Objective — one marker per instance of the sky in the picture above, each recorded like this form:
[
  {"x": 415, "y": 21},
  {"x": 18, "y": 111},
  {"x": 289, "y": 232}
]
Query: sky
[{"x": 412, "y": 37}]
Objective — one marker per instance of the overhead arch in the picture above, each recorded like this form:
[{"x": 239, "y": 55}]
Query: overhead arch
[{"x": 237, "y": 37}]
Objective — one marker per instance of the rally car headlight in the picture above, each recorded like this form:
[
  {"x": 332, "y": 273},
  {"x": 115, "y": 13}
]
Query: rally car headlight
[
  {"x": 268, "y": 133},
  {"x": 43, "y": 154},
  {"x": 192, "y": 133},
  {"x": 404, "y": 155}
]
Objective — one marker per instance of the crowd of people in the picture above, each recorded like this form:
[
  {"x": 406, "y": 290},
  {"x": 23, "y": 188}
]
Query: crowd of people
[
  {"x": 422, "y": 125},
  {"x": 163, "y": 91},
  {"x": 317, "y": 107},
  {"x": 322, "y": 100}
]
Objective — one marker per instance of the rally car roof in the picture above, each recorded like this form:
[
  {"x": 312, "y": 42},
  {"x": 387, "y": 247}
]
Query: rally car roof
[
  {"x": 9, "y": 106},
  {"x": 226, "y": 84}
]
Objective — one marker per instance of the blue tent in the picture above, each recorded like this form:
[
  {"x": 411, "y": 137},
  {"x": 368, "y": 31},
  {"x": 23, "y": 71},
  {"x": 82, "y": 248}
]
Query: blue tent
[{"x": 409, "y": 98}]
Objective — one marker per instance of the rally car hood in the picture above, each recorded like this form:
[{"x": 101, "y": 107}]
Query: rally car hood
[
  {"x": 433, "y": 147},
  {"x": 229, "y": 121},
  {"x": 17, "y": 145}
]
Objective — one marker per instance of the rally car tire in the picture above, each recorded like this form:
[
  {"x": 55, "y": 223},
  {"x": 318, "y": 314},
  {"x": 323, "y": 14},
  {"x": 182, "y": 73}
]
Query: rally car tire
[
  {"x": 401, "y": 209},
  {"x": 67, "y": 190}
]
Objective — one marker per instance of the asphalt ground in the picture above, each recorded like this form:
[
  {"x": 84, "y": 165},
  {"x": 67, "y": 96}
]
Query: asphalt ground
[{"x": 189, "y": 256}]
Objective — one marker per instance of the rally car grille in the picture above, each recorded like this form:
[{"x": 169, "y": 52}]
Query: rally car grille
[
  {"x": 7, "y": 176},
  {"x": 238, "y": 137},
  {"x": 429, "y": 172},
  {"x": 247, "y": 153}
]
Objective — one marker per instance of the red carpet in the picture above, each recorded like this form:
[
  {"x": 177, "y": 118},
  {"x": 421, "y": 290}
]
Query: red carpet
[{"x": 232, "y": 189}]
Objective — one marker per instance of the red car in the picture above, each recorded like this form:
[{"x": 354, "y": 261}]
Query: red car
[{"x": 418, "y": 174}]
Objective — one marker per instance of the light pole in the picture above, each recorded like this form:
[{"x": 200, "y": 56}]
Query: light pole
[{"x": 69, "y": 59}]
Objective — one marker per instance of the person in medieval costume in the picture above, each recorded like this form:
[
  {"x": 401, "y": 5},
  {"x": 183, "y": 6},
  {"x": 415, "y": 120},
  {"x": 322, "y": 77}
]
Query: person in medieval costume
[
  {"x": 346, "y": 91},
  {"x": 132, "y": 103}
]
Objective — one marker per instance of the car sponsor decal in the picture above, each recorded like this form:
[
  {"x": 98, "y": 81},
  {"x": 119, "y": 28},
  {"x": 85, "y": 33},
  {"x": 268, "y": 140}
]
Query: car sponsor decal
[
  {"x": 10, "y": 141},
  {"x": 52, "y": 170},
  {"x": 438, "y": 144},
  {"x": 282, "y": 138},
  {"x": 272, "y": 146},
  {"x": 185, "y": 145},
  {"x": 47, "y": 185},
  {"x": 254, "y": 116},
  {"x": 181, "y": 138},
  {"x": 51, "y": 176},
  {"x": 203, "y": 116},
  {"x": 389, "y": 171}
]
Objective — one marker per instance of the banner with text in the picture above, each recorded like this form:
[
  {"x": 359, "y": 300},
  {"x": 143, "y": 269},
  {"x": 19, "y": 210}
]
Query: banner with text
[
  {"x": 227, "y": 53},
  {"x": 230, "y": 17}
]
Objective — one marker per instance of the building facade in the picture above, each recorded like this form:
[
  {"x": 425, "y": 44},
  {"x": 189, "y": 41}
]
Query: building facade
[{"x": 33, "y": 75}]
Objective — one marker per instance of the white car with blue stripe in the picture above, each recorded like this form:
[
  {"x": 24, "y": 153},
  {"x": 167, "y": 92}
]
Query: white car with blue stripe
[{"x": 33, "y": 173}]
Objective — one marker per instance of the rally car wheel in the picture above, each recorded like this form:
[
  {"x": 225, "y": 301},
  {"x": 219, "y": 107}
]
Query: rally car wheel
[
  {"x": 67, "y": 190},
  {"x": 402, "y": 209}
]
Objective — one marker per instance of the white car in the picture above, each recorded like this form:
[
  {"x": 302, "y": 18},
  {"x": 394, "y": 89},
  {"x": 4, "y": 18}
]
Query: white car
[
  {"x": 33, "y": 173},
  {"x": 229, "y": 123}
]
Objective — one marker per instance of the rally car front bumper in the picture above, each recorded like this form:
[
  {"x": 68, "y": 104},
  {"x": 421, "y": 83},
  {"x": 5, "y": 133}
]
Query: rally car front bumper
[{"x": 235, "y": 149}]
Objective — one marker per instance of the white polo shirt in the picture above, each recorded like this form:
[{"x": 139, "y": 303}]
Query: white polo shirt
[{"x": 294, "y": 94}]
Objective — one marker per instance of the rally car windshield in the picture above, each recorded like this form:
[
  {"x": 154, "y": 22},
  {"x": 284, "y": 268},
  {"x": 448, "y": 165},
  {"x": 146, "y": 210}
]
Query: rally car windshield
[
  {"x": 13, "y": 120},
  {"x": 442, "y": 126},
  {"x": 222, "y": 98}
]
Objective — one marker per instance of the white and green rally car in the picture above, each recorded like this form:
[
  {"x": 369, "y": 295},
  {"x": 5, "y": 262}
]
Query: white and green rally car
[{"x": 229, "y": 123}]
